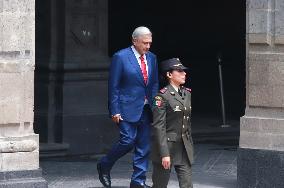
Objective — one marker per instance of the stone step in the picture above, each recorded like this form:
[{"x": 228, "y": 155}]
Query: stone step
[{"x": 53, "y": 149}]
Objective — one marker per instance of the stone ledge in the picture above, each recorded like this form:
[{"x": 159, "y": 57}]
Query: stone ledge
[
  {"x": 265, "y": 39},
  {"x": 264, "y": 56},
  {"x": 267, "y": 141},
  {"x": 31, "y": 136},
  {"x": 262, "y": 124},
  {"x": 19, "y": 161},
  {"x": 274, "y": 113},
  {"x": 262, "y": 133}
]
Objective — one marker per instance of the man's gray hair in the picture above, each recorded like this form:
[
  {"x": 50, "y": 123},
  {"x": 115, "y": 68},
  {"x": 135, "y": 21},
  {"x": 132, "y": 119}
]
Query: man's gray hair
[{"x": 140, "y": 31}]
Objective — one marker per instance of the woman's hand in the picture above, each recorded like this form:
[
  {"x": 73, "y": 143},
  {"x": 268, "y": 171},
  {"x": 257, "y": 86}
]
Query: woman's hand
[{"x": 166, "y": 162}]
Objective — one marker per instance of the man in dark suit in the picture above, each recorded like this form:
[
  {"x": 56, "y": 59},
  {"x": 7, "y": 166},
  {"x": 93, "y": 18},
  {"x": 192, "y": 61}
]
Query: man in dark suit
[{"x": 133, "y": 82}]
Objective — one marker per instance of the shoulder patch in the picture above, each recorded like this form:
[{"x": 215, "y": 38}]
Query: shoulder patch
[
  {"x": 163, "y": 90},
  {"x": 157, "y": 101},
  {"x": 187, "y": 89}
]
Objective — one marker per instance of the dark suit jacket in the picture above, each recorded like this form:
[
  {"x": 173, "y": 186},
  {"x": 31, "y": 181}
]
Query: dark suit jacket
[
  {"x": 171, "y": 128},
  {"x": 127, "y": 89}
]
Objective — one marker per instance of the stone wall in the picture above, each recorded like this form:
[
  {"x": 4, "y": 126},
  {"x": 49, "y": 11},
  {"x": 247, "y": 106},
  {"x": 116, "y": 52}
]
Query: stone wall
[
  {"x": 18, "y": 143},
  {"x": 19, "y": 146},
  {"x": 262, "y": 126}
]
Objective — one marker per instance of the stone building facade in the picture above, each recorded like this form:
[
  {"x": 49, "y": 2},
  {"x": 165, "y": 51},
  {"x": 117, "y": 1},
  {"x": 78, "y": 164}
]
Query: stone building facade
[{"x": 52, "y": 76}]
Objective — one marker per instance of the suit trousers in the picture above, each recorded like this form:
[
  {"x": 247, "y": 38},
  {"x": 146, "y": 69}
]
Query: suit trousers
[
  {"x": 133, "y": 135},
  {"x": 161, "y": 176}
]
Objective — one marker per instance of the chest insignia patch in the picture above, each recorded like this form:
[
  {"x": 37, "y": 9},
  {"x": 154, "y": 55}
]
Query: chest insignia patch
[{"x": 176, "y": 109}]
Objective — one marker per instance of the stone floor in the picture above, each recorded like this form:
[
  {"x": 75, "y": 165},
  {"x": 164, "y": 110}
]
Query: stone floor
[{"x": 215, "y": 166}]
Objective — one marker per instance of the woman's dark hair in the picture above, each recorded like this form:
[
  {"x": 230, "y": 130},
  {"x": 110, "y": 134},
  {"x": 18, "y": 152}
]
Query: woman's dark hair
[{"x": 164, "y": 81}]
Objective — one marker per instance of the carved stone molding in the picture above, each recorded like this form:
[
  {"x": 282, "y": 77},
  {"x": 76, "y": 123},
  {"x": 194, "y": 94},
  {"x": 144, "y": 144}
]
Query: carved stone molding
[{"x": 18, "y": 146}]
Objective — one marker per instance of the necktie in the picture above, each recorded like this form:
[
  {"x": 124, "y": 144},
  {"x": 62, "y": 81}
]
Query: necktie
[
  {"x": 179, "y": 92},
  {"x": 143, "y": 69}
]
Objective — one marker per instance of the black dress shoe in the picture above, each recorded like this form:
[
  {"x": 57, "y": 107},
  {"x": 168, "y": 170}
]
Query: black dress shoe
[
  {"x": 135, "y": 185},
  {"x": 103, "y": 176}
]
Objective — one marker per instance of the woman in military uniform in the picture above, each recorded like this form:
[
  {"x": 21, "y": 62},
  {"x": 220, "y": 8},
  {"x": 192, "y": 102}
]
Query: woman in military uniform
[{"x": 172, "y": 144}]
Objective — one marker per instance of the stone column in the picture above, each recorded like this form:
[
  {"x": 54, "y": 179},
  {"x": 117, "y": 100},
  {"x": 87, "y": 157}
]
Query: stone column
[
  {"x": 86, "y": 125},
  {"x": 261, "y": 147},
  {"x": 19, "y": 156}
]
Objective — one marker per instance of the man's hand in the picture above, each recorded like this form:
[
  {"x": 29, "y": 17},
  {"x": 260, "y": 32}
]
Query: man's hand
[
  {"x": 116, "y": 118},
  {"x": 166, "y": 162}
]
